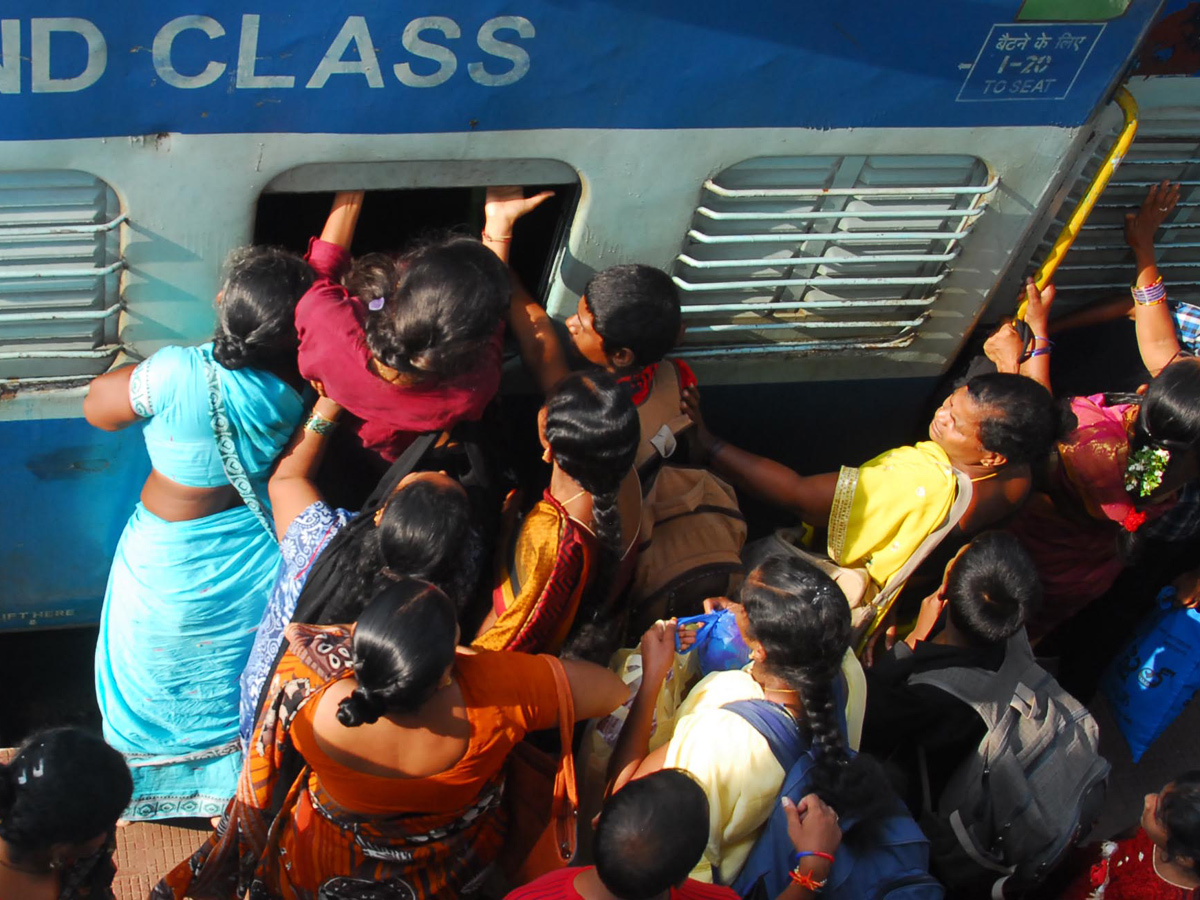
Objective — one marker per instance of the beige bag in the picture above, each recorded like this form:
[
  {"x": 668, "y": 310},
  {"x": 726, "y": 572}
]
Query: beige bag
[
  {"x": 691, "y": 544},
  {"x": 661, "y": 421}
]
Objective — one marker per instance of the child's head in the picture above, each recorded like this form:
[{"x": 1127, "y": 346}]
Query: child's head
[
  {"x": 628, "y": 316},
  {"x": 1171, "y": 819},
  {"x": 991, "y": 588},
  {"x": 447, "y": 300},
  {"x": 650, "y": 834}
]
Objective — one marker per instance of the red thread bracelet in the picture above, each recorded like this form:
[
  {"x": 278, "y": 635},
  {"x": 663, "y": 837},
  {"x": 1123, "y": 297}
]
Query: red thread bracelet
[{"x": 806, "y": 881}]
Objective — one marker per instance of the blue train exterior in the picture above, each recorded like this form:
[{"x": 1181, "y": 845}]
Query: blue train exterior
[{"x": 839, "y": 189}]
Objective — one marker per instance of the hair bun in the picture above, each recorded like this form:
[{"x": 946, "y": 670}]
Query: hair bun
[
  {"x": 231, "y": 351},
  {"x": 360, "y": 708}
]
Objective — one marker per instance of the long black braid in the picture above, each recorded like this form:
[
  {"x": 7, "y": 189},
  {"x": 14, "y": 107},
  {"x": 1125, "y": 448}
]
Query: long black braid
[
  {"x": 593, "y": 431},
  {"x": 801, "y": 619}
]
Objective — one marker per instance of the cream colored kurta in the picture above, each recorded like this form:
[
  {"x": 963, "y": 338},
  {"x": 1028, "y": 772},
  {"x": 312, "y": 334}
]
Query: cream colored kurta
[{"x": 733, "y": 763}]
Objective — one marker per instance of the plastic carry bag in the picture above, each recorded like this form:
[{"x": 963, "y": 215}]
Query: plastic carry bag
[
  {"x": 719, "y": 646},
  {"x": 1157, "y": 674}
]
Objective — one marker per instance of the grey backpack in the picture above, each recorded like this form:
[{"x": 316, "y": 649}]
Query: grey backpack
[{"x": 1034, "y": 785}]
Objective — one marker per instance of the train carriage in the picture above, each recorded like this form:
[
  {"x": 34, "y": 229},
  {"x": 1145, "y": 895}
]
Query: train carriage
[{"x": 840, "y": 190}]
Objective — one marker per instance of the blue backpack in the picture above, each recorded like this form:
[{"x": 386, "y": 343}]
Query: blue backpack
[{"x": 895, "y": 865}]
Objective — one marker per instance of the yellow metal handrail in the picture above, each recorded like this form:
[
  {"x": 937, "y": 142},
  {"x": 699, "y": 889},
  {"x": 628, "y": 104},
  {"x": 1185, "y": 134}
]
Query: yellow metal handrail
[{"x": 1083, "y": 209}]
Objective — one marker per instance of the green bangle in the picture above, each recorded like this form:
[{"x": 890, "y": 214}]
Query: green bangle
[{"x": 318, "y": 424}]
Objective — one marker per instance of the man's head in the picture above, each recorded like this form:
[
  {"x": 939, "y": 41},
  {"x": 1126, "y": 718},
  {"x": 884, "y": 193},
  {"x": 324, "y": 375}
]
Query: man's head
[
  {"x": 628, "y": 316},
  {"x": 996, "y": 420},
  {"x": 651, "y": 833},
  {"x": 991, "y": 588}
]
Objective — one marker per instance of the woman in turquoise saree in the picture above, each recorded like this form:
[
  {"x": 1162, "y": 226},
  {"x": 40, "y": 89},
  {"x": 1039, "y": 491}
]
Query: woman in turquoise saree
[{"x": 198, "y": 557}]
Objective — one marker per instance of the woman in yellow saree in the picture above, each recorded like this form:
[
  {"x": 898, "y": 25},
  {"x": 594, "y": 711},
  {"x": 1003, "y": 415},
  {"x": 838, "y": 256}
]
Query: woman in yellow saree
[{"x": 880, "y": 513}]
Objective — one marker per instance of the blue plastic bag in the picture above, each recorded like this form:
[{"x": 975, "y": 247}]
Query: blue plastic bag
[
  {"x": 1157, "y": 674},
  {"x": 719, "y": 643}
]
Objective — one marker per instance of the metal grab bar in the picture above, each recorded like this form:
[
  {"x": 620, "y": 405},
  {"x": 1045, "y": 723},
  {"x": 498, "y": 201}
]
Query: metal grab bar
[
  {"x": 824, "y": 237},
  {"x": 966, "y": 212},
  {"x": 787, "y": 262},
  {"x": 828, "y": 346},
  {"x": 816, "y": 281},
  {"x": 79, "y": 315},
  {"x": 805, "y": 324},
  {"x": 802, "y": 304},
  {"x": 19, "y": 273},
  {"x": 864, "y": 191},
  {"x": 1083, "y": 209},
  {"x": 45, "y": 230},
  {"x": 97, "y": 353}
]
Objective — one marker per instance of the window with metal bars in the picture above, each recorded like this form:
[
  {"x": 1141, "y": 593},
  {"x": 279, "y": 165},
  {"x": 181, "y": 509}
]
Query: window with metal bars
[
  {"x": 1099, "y": 266},
  {"x": 60, "y": 262},
  {"x": 824, "y": 253}
]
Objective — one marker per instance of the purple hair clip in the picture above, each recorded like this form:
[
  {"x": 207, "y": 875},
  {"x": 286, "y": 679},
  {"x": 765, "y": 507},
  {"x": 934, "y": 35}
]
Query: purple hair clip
[{"x": 377, "y": 304}]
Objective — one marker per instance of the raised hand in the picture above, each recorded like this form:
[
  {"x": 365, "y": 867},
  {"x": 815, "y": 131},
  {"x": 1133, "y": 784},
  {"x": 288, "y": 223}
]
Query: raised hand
[
  {"x": 1141, "y": 226},
  {"x": 504, "y": 205}
]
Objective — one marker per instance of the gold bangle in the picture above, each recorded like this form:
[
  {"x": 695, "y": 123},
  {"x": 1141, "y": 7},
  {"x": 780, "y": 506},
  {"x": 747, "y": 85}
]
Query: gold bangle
[{"x": 496, "y": 240}]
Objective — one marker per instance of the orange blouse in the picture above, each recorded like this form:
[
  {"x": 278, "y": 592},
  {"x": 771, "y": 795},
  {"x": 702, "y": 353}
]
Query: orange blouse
[{"x": 506, "y": 695}]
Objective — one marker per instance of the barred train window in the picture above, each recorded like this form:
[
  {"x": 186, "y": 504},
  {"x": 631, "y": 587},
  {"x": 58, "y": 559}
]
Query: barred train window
[
  {"x": 824, "y": 253},
  {"x": 1099, "y": 265},
  {"x": 59, "y": 275}
]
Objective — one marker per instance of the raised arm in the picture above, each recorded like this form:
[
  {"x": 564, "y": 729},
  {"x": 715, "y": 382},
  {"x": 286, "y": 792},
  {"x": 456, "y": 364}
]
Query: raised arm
[
  {"x": 541, "y": 351},
  {"x": 1157, "y": 342},
  {"x": 343, "y": 219},
  {"x": 630, "y": 755},
  {"x": 107, "y": 405},
  {"x": 1037, "y": 317},
  {"x": 293, "y": 487},
  {"x": 808, "y": 496}
]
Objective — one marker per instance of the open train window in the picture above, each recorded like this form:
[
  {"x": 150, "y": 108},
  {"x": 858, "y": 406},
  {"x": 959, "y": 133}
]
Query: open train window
[
  {"x": 408, "y": 200},
  {"x": 795, "y": 254},
  {"x": 60, "y": 264}
]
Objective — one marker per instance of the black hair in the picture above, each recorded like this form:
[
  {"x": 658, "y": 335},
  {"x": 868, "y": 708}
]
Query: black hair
[
  {"x": 593, "y": 430},
  {"x": 1170, "y": 409},
  {"x": 403, "y": 642},
  {"x": 651, "y": 833},
  {"x": 636, "y": 307},
  {"x": 373, "y": 276},
  {"x": 1168, "y": 418},
  {"x": 424, "y": 532},
  {"x": 801, "y": 619},
  {"x": 256, "y": 314},
  {"x": 64, "y": 786},
  {"x": 449, "y": 297},
  {"x": 1025, "y": 419},
  {"x": 992, "y": 589},
  {"x": 1180, "y": 813}
]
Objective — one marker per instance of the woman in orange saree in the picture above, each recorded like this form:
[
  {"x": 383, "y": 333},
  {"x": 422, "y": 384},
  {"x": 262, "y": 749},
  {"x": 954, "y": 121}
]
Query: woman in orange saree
[{"x": 344, "y": 793}]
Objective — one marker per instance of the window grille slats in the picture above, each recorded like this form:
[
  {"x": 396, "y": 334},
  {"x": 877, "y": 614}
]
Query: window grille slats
[
  {"x": 1100, "y": 264},
  {"x": 60, "y": 270},
  {"x": 796, "y": 254}
]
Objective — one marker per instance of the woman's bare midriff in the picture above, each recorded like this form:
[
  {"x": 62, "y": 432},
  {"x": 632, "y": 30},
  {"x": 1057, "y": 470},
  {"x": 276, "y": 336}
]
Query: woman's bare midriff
[{"x": 177, "y": 502}]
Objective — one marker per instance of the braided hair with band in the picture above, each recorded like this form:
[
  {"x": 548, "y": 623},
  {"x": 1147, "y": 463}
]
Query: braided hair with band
[
  {"x": 593, "y": 431},
  {"x": 800, "y": 618}
]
